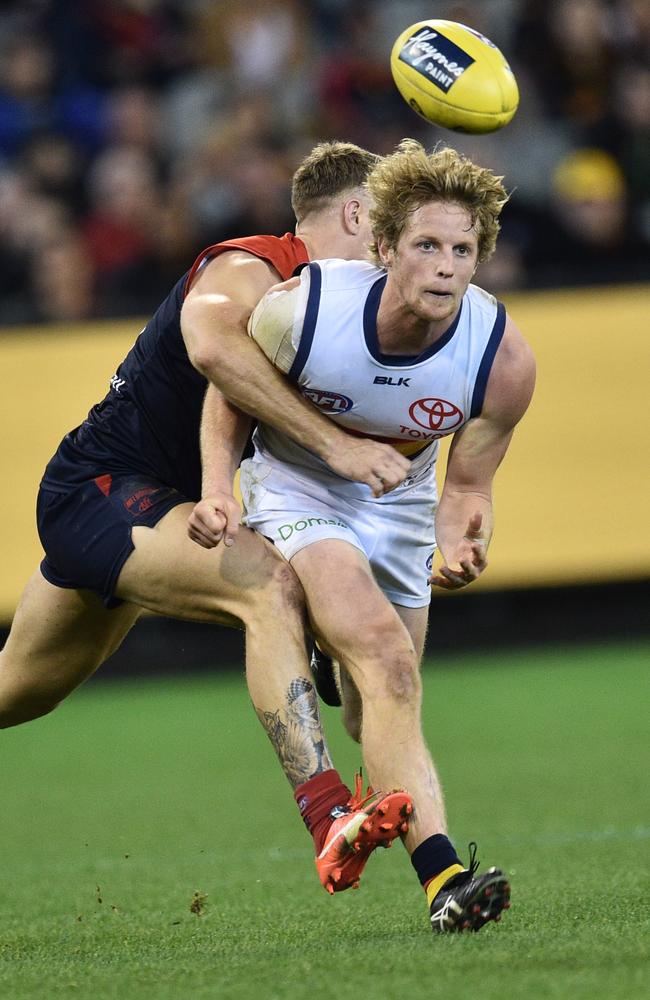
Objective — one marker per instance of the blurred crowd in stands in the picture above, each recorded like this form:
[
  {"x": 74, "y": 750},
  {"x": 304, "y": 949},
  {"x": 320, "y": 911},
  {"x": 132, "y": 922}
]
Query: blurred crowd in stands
[{"x": 135, "y": 132}]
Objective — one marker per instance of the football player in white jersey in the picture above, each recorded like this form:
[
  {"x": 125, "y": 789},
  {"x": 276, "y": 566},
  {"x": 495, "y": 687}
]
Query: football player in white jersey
[{"x": 406, "y": 351}]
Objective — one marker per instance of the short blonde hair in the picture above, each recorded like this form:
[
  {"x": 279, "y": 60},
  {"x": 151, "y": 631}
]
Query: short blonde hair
[
  {"x": 410, "y": 177},
  {"x": 329, "y": 170}
]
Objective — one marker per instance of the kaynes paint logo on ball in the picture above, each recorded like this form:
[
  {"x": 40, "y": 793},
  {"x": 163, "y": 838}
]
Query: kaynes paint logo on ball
[
  {"x": 328, "y": 402},
  {"x": 436, "y": 57}
]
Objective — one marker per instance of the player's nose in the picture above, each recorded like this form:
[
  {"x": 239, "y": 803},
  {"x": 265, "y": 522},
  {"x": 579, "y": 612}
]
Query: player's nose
[{"x": 445, "y": 264}]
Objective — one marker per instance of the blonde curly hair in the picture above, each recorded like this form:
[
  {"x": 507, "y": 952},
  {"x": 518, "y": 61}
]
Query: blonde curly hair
[{"x": 410, "y": 177}]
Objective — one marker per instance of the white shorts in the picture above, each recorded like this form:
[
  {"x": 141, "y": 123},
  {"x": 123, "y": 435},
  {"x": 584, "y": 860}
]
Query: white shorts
[{"x": 397, "y": 535}]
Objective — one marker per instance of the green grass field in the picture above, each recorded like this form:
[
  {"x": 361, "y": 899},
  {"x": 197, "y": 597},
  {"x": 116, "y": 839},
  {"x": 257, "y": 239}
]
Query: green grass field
[{"x": 129, "y": 799}]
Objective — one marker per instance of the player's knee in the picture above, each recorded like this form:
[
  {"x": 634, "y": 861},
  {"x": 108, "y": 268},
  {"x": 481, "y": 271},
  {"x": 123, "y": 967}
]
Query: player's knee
[
  {"x": 402, "y": 679},
  {"x": 282, "y": 598},
  {"x": 395, "y": 672},
  {"x": 391, "y": 667},
  {"x": 17, "y": 707},
  {"x": 24, "y": 697}
]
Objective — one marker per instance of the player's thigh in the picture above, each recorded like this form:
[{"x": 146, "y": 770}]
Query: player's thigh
[
  {"x": 172, "y": 575},
  {"x": 347, "y": 608},
  {"x": 416, "y": 621},
  {"x": 58, "y": 638}
]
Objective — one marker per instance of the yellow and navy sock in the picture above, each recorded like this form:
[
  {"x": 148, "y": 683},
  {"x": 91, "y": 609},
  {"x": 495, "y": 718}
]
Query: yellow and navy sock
[{"x": 435, "y": 861}]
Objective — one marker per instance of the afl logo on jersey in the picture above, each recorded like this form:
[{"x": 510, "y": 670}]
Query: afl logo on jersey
[
  {"x": 435, "y": 414},
  {"x": 328, "y": 402}
]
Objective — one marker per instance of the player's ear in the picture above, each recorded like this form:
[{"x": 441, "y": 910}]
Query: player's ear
[
  {"x": 352, "y": 215},
  {"x": 385, "y": 252}
]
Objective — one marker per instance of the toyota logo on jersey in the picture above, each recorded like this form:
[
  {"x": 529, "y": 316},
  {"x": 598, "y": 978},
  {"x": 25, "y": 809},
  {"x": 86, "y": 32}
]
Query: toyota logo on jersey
[
  {"x": 436, "y": 414},
  {"x": 328, "y": 402}
]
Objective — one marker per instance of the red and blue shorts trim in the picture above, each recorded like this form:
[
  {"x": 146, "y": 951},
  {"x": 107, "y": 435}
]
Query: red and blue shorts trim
[{"x": 86, "y": 530}]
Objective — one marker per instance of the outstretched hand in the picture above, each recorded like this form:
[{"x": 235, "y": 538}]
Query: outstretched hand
[
  {"x": 214, "y": 518},
  {"x": 469, "y": 559},
  {"x": 378, "y": 465}
]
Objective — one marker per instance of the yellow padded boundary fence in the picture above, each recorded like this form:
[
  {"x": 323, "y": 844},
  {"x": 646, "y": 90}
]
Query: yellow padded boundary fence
[{"x": 571, "y": 497}]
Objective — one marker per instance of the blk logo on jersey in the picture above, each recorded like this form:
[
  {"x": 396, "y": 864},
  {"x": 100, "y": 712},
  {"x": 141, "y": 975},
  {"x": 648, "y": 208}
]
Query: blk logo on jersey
[
  {"x": 389, "y": 380},
  {"x": 328, "y": 402},
  {"x": 436, "y": 414}
]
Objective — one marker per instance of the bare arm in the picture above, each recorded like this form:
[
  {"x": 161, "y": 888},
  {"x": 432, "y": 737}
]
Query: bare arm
[
  {"x": 464, "y": 520},
  {"x": 224, "y": 432},
  {"x": 213, "y": 322}
]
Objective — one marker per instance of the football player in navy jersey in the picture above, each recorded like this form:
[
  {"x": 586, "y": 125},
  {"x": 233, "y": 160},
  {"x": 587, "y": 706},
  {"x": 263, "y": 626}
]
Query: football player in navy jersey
[{"x": 114, "y": 501}]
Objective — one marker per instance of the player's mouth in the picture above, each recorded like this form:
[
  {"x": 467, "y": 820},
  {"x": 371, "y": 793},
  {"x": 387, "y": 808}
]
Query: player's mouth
[{"x": 439, "y": 294}]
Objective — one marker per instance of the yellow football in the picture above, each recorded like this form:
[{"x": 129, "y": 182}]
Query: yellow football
[{"x": 454, "y": 77}]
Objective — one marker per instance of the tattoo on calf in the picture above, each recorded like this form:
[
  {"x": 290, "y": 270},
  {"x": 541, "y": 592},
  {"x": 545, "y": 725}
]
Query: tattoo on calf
[{"x": 296, "y": 733}]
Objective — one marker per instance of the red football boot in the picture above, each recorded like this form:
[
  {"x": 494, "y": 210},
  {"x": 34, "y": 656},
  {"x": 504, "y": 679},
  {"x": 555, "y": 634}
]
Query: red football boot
[{"x": 357, "y": 829}]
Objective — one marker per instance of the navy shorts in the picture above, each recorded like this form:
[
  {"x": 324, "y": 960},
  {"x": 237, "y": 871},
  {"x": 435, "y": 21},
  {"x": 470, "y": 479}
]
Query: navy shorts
[{"x": 86, "y": 532}]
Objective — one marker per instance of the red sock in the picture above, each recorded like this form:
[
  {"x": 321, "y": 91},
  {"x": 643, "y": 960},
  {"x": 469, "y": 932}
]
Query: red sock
[{"x": 316, "y": 798}]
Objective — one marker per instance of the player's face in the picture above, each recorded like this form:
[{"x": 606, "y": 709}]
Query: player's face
[{"x": 434, "y": 261}]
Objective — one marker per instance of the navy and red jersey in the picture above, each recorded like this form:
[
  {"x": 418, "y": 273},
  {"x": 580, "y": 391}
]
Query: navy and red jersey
[{"x": 150, "y": 418}]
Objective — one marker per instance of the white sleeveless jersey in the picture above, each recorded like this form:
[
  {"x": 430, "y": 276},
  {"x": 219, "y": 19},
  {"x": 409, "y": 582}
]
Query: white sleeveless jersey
[{"x": 409, "y": 402}]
